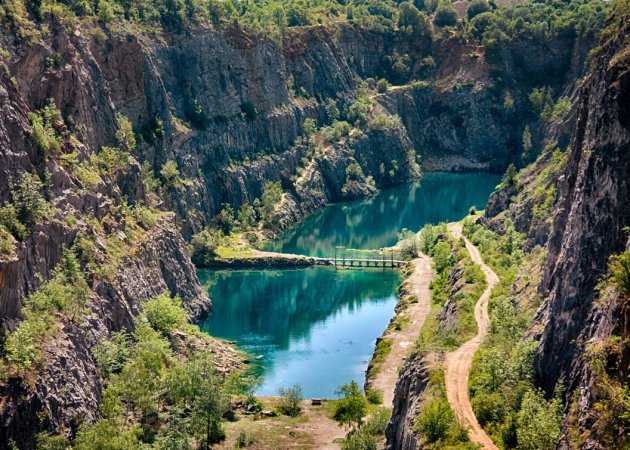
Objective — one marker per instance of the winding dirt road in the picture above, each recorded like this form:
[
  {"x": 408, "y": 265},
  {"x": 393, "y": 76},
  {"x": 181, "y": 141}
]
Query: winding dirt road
[
  {"x": 403, "y": 340},
  {"x": 459, "y": 361}
]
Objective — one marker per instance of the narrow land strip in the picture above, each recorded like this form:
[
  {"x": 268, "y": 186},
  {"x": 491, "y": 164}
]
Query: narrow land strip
[
  {"x": 459, "y": 361},
  {"x": 403, "y": 340}
]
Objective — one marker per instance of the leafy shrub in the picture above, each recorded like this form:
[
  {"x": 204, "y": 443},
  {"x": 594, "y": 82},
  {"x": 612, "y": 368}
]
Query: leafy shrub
[
  {"x": 477, "y": 7},
  {"x": 111, "y": 161},
  {"x": 164, "y": 313},
  {"x": 43, "y": 133},
  {"x": 359, "y": 439},
  {"x": 272, "y": 194},
  {"x": 125, "y": 135},
  {"x": 619, "y": 268},
  {"x": 382, "y": 86},
  {"x": 9, "y": 218},
  {"x": 87, "y": 175},
  {"x": 7, "y": 246},
  {"x": 203, "y": 247},
  {"x": 435, "y": 419},
  {"x": 30, "y": 205},
  {"x": 112, "y": 354},
  {"x": 246, "y": 217},
  {"x": 244, "y": 440},
  {"x": 408, "y": 242},
  {"x": 171, "y": 176},
  {"x": 539, "y": 422},
  {"x": 445, "y": 15},
  {"x": 226, "y": 218},
  {"x": 197, "y": 117},
  {"x": 541, "y": 100},
  {"x": 560, "y": 109},
  {"x": 48, "y": 441},
  {"x": 290, "y": 401},
  {"x": 377, "y": 423},
  {"x": 351, "y": 407},
  {"x": 153, "y": 130},
  {"x": 374, "y": 396},
  {"x": 20, "y": 347}
]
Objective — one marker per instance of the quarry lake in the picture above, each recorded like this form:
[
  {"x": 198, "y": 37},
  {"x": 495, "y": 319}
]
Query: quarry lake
[{"x": 318, "y": 326}]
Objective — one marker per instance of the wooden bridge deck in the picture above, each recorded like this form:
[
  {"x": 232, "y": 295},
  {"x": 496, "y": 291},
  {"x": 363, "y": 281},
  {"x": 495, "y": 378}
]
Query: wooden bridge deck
[{"x": 365, "y": 262}]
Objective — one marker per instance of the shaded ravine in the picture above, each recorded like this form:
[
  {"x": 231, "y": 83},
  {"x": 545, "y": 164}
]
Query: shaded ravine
[
  {"x": 459, "y": 361},
  {"x": 403, "y": 341}
]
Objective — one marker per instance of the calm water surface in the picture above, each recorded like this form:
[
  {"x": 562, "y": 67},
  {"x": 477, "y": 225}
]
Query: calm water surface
[
  {"x": 318, "y": 326},
  {"x": 375, "y": 222}
]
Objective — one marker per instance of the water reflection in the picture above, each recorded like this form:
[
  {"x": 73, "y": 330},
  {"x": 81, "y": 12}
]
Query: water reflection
[
  {"x": 315, "y": 326},
  {"x": 375, "y": 222}
]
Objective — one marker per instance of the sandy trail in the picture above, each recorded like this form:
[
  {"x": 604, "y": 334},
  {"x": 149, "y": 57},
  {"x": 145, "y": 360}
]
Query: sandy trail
[
  {"x": 403, "y": 341},
  {"x": 458, "y": 362}
]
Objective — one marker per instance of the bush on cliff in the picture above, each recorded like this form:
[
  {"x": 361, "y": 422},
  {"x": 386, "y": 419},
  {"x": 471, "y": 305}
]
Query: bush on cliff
[{"x": 203, "y": 247}]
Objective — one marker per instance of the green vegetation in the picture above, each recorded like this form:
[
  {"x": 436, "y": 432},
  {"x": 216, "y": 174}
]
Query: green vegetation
[
  {"x": 365, "y": 437},
  {"x": 290, "y": 402},
  {"x": 28, "y": 206},
  {"x": 272, "y": 194},
  {"x": 44, "y": 131},
  {"x": 65, "y": 294},
  {"x": 165, "y": 314},
  {"x": 171, "y": 176},
  {"x": 153, "y": 397},
  {"x": 351, "y": 407},
  {"x": 436, "y": 421},
  {"x": 505, "y": 401},
  {"x": 203, "y": 247},
  {"x": 455, "y": 290},
  {"x": 374, "y": 396}
]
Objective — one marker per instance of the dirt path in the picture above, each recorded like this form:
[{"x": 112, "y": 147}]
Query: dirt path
[
  {"x": 459, "y": 361},
  {"x": 403, "y": 340}
]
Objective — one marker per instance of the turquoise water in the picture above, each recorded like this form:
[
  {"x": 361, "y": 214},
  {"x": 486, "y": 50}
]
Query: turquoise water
[
  {"x": 318, "y": 326},
  {"x": 314, "y": 326},
  {"x": 375, "y": 222}
]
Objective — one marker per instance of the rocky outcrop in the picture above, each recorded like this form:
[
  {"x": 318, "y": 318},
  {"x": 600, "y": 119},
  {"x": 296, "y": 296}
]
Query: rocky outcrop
[
  {"x": 583, "y": 229},
  {"x": 592, "y": 211},
  {"x": 384, "y": 155},
  {"x": 411, "y": 384},
  {"x": 66, "y": 389}
]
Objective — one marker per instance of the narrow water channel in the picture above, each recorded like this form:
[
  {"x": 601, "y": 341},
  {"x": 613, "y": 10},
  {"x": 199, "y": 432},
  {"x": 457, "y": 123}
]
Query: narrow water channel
[{"x": 318, "y": 326}]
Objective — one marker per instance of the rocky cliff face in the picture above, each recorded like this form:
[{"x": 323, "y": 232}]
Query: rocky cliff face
[
  {"x": 67, "y": 388},
  {"x": 592, "y": 210},
  {"x": 411, "y": 384},
  {"x": 582, "y": 230}
]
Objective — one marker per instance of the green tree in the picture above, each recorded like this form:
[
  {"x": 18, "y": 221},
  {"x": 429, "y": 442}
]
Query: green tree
[
  {"x": 351, "y": 407},
  {"x": 164, "y": 313},
  {"x": 435, "y": 419},
  {"x": 477, "y": 7},
  {"x": 309, "y": 127},
  {"x": 442, "y": 256},
  {"x": 203, "y": 247},
  {"x": 112, "y": 354},
  {"x": 510, "y": 176},
  {"x": 445, "y": 15},
  {"x": 125, "y": 135},
  {"x": 197, "y": 389},
  {"x": 171, "y": 176},
  {"x": 272, "y": 194},
  {"x": 619, "y": 268},
  {"x": 28, "y": 200},
  {"x": 527, "y": 140},
  {"x": 246, "y": 217},
  {"x": 226, "y": 218},
  {"x": 382, "y": 86},
  {"x": 539, "y": 422}
]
